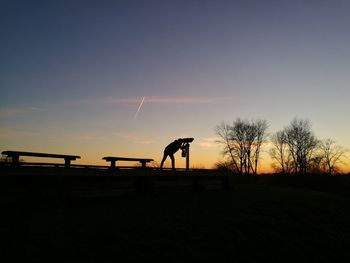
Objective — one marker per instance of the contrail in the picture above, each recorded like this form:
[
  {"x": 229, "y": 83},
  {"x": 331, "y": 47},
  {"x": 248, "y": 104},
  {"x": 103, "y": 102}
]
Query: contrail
[{"x": 138, "y": 110}]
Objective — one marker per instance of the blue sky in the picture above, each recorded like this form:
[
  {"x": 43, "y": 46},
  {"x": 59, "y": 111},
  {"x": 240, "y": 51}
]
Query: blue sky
[{"x": 72, "y": 73}]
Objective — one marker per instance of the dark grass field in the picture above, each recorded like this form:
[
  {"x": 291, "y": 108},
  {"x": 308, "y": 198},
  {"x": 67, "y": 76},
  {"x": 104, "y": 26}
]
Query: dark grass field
[{"x": 250, "y": 223}]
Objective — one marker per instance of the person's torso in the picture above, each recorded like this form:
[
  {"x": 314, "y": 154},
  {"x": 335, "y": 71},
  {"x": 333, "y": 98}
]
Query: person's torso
[{"x": 173, "y": 147}]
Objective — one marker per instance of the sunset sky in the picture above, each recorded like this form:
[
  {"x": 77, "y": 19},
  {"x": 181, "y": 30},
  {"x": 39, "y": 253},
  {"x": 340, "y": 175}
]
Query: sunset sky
[{"x": 73, "y": 73}]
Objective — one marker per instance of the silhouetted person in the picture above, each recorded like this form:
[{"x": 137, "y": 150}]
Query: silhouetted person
[{"x": 171, "y": 149}]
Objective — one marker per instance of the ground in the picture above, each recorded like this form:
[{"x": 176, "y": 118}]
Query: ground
[{"x": 250, "y": 223}]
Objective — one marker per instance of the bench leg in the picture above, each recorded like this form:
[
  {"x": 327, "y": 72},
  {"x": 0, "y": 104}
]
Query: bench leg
[
  {"x": 15, "y": 160},
  {"x": 143, "y": 165},
  {"x": 67, "y": 163}
]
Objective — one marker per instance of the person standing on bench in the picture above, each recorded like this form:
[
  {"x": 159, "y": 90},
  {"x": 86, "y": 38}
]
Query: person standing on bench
[{"x": 171, "y": 149}]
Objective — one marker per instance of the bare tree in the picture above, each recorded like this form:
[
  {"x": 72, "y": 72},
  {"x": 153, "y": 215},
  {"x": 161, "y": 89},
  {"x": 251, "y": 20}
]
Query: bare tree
[
  {"x": 315, "y": 163},
  {"x": 225, "y": 166},
  {"x": 242, "y": 143},
  {"x": 242, "y": 139},
  {"x": 224, "y": 132},
  {"x": 332, "y": 155},
  {"x": 301, "y": 144},
  {"x": 280, "y": 153},
  {"x": 261, "y": 136}
]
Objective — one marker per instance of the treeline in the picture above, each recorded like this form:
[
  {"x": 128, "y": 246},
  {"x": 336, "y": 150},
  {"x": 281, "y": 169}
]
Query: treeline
[{"x": 294, "y": 149}]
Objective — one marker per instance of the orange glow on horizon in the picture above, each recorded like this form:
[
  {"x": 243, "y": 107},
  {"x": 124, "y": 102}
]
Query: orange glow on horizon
[{"x": 197, "y": 163}]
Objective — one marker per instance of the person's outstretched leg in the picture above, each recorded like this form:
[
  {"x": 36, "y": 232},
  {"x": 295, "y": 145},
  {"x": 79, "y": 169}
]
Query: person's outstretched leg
[
  {"x": 172, "y": 161},
  {"x": 163, "y": 160}
]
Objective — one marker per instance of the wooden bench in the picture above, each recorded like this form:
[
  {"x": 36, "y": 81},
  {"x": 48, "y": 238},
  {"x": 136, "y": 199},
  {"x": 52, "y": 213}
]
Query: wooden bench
[
  {"x": 113, "y": 160},
  {"x": 15, "y": 156}
]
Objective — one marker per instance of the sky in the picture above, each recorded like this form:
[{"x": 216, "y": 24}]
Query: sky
[{"x": 73, "y": 73}]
